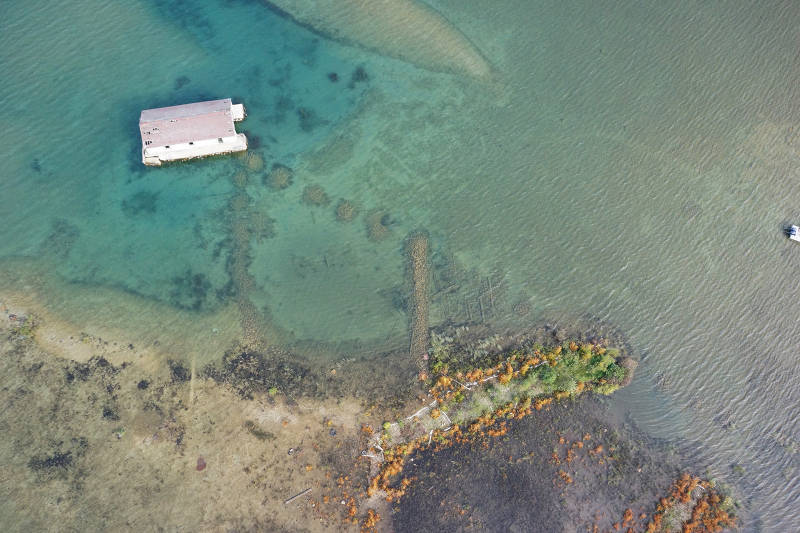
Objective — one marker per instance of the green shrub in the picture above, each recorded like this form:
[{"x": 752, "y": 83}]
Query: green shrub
[
  {"x": 607, "y": 360},
  {"x": 528, "y": 381},
  {"x": 546, "y": 374},
  {"x": 599, "y": 364},
  {"x": 606, "y": 388},
  {"x": 566, "y": 384},
  {"x": 615, "y": 372}
]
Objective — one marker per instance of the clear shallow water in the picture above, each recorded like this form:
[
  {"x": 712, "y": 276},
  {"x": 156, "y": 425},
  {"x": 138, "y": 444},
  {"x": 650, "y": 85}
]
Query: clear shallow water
[{"x": 631, "y": 161}]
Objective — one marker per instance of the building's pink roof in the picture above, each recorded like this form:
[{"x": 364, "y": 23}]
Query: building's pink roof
[{"x": 199, "y": 121}]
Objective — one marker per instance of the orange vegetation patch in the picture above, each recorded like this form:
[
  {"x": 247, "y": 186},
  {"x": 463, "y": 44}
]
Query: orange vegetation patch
[
  {"x": 628, "y": 516},
  {"x": 499, "y": 431},
  {"x": 389, "y": 479},
  {"x": 542, "y": 402},
  {"x": 445, "y": 388},
  {"x": 508, "y": 373},
  {"x": 706, "y": 515},
  {"x": 370, "y": 521}
]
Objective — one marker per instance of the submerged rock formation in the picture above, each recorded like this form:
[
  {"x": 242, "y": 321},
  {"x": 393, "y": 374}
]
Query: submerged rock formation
[
  {"x": 315, "y": 195},
  {"x": 279, "y": 177},
  {"x": 378, "y": 225},
  {"x": 345, "y": 211}
]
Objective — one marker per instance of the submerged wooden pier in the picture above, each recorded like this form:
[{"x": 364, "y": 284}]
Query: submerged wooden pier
[{"x": 417, "y": 250}]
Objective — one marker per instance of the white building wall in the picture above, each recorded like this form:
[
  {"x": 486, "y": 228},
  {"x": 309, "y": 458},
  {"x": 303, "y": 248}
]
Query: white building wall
[{"x": 201, "y": 148}]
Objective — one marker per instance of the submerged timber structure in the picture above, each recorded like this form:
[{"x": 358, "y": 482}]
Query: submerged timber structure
[{"x": 193, "y": 130}]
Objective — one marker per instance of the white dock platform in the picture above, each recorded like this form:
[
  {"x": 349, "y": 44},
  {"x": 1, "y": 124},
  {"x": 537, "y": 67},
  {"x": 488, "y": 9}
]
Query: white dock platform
[{"x": 193, "y": 130}]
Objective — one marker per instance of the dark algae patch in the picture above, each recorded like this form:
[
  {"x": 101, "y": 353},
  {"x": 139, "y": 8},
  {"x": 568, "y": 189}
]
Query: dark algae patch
[
  {"x": 177, "y": 372},
  {"x": 309, "y": 120},
  {"x": 358, "y": 76},
  {"x": 62, "y": 237},
  {"x": 51, "y": 466},
  {"x": 59, "y": 462},
  {"x": 190, "y": 290},
  {"x": 250, "y": 373},
  {"x": 181, "y": 82},
  {"x": 142, "y": 202},
  {"x": 257, "y": 432},
  {"x": 110, "y": 413},
  {"x": 97, "y": 367}
]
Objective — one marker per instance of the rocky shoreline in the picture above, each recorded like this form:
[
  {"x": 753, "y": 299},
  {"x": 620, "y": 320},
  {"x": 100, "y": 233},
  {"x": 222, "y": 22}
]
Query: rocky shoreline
[{"x": 154, "y": 447}]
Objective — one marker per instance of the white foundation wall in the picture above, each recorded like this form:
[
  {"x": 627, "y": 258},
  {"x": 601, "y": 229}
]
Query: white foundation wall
[{"x": 157, "y": 155}]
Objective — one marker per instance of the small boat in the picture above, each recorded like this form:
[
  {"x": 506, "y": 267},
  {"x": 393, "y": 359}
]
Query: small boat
[{"x": 794, "y": 233}]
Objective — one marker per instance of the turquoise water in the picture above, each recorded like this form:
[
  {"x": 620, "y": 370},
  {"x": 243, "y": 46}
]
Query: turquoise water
[{"x": 632, "y": 161}]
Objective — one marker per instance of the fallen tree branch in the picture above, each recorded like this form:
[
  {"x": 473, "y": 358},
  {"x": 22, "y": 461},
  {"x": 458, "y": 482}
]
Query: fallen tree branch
[{"x": 298, "y": 495}]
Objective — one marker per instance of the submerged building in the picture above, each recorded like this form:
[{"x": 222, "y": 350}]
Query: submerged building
[{"x": 193, "y": 130}]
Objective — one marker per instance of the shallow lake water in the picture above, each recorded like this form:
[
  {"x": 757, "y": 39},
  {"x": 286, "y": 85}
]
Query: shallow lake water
[{"x": 630, "y": 161}]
